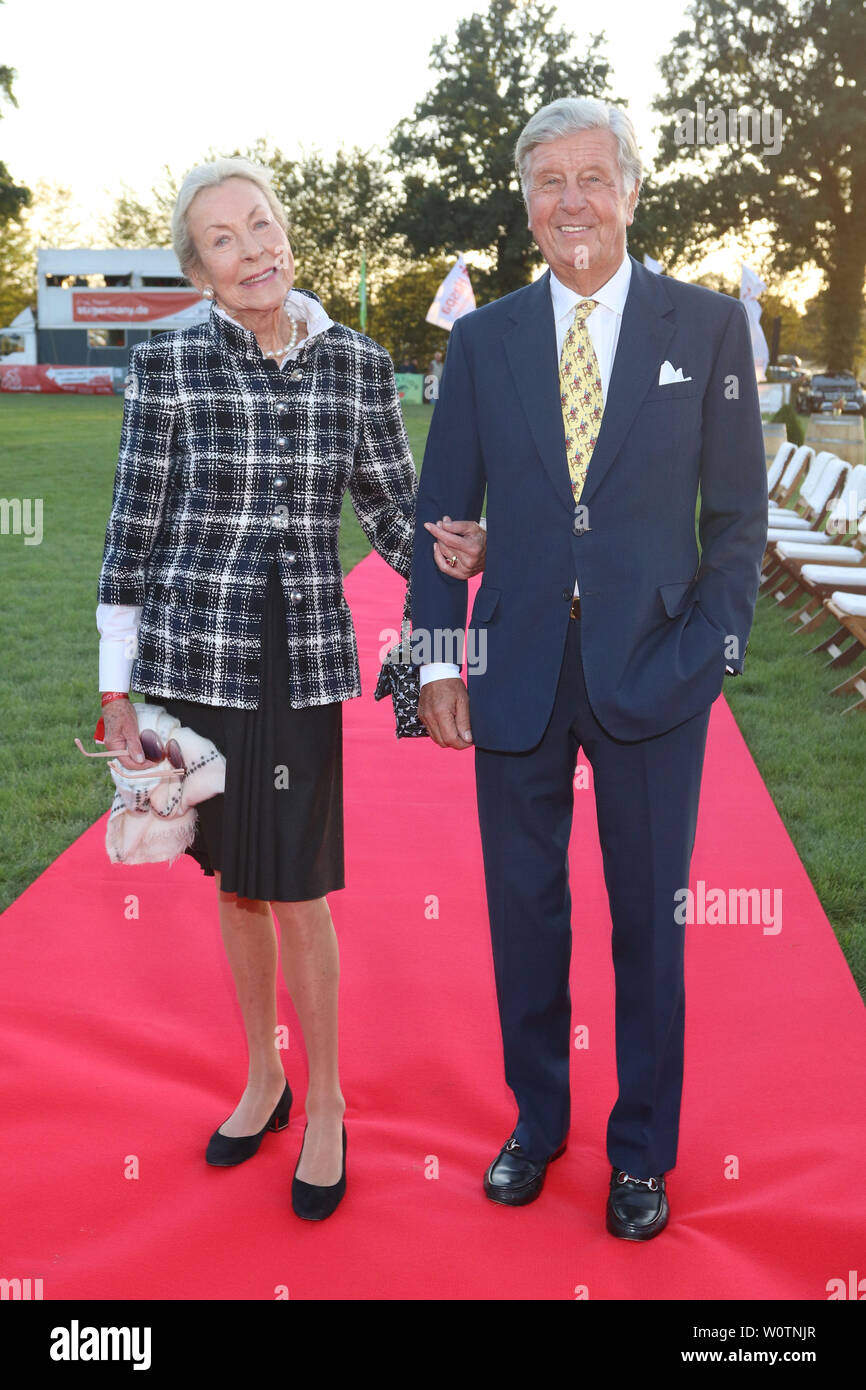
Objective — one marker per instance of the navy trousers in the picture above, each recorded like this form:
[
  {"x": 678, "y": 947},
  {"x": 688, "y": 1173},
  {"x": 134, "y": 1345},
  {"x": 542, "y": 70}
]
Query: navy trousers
[{"x": 646, "y": 797}]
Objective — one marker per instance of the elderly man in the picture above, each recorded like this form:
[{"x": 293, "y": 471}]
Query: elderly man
[{"x": 592, "y": 405}]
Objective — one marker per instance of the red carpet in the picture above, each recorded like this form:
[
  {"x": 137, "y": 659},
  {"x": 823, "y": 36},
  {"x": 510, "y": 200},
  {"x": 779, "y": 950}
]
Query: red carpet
[{"x": 123, "y": 1042}]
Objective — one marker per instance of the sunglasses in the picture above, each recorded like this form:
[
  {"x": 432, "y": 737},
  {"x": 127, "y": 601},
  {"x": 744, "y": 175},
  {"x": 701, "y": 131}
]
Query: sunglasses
[{"x": 153, "y": 749}]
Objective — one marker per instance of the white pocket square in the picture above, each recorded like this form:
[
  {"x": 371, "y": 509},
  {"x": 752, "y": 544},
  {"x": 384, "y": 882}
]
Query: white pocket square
[{"x": 667, "y": 375}]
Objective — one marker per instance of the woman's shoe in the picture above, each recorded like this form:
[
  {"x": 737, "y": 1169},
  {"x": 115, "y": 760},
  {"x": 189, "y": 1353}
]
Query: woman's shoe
[
  {"x": 314, "y": 1203},
  {"x": 224, "y": 1150}
]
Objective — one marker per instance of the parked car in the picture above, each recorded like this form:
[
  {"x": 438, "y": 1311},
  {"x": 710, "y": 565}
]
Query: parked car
[
  {"x": 776, "y": 372},
  {"x": 825, "y": 391},
  {"x": 788, "y": 359}
]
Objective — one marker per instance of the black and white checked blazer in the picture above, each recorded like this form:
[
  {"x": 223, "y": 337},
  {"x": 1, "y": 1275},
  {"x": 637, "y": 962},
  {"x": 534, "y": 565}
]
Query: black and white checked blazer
[{"x": 225, "y": 462}]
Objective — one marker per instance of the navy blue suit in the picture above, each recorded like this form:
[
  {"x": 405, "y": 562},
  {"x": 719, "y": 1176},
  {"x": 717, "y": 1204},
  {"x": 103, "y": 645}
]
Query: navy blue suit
[{"x": 631, "y": 680}]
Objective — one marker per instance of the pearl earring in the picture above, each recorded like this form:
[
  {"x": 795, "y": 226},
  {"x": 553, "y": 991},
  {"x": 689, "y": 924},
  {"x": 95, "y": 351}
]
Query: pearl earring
[{"x": 207, "y": 292}]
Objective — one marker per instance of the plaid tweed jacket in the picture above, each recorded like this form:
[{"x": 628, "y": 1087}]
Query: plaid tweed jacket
[{"x": 228, "y": 462}]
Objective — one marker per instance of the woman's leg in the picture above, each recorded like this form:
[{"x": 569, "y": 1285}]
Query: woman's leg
[
  {"x": 250, "y": 940},
  {"x": 311, "y": 969}
]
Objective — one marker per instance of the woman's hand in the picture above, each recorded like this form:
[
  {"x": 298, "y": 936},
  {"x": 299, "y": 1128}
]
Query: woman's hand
[
  {"x": 121, "y": 732},
  {"x": 459, "y": 547}
]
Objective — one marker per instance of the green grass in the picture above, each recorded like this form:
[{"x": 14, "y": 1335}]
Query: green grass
[
  {"x": 813, "y": 760},
  {"x": 63, "y": 449}
]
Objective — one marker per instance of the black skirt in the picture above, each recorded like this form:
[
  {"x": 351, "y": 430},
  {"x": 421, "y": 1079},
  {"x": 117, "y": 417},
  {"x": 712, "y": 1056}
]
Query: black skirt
[{"x": 277, "y": 831}]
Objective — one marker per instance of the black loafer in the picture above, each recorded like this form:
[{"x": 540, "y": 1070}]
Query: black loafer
[
  {"x": 224, "y": 1150},
  {"x": 513, "y": 1179},
  {"x": 637, "y": 1208}
]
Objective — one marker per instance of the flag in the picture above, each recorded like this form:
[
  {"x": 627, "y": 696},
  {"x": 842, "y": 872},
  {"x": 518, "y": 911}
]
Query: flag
[
  {"x": 454, "y": 297},
  {"x": 362, "y": 295},
  {"x": 751, "y": 288}
]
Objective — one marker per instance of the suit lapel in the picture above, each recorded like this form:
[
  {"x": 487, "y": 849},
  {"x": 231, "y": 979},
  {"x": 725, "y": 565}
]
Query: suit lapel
[
  {"x": 643, "y": 338},
  {"x": 530, "y": 346}
]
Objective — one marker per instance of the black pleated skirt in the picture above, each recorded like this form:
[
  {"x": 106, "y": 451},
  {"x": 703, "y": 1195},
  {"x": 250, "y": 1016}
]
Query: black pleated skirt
[{"x": 277, "y": 831}]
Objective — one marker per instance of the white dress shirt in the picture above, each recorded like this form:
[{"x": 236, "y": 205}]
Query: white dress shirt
[
  {"x": 603, "y": 325},
  {"x": 118, "y": 623}
]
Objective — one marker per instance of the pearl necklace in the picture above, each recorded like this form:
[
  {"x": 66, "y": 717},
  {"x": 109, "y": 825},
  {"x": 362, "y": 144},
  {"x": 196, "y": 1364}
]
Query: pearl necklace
[{"x": 281, "y": 352}]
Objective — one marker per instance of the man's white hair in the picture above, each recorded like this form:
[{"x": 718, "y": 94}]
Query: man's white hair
[
  {"x": 211, "y": 176},
  {"x": 569, "y": 115}
]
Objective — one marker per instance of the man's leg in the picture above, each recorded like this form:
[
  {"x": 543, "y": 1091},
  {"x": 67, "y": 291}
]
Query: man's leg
[
  {"x": 525, "y": 807},
  {"x": 647, "y": 803}
]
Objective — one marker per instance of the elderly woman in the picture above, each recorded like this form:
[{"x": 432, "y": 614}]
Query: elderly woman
[{"x": 222, "y": 576}]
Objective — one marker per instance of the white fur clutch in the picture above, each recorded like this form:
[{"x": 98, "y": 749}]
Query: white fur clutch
[{"x": 153, "y": 816}]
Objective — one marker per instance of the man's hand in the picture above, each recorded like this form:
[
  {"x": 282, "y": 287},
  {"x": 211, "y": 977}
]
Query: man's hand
[
  {"x": 459, "y": 547},
  {"x": 444, "y": 711}
]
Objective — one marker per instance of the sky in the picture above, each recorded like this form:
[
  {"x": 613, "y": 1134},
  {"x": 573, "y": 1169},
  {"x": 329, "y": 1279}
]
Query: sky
[{"x": 109, "y": 92}]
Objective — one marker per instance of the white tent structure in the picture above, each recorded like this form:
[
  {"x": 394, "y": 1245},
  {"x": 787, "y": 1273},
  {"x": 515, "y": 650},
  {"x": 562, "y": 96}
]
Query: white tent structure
[{"x": 18, "y": 341}]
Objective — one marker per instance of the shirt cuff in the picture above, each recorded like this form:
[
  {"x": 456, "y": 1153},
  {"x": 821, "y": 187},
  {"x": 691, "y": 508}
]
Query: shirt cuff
[
  {"x": 118, "y": 643},
  {"x": 439, "y": 671}
]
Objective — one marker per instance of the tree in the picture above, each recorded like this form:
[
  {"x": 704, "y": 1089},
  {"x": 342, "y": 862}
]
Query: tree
[
  {"x": 47, "y": 221},
  {"x": 398, "y": 313},
  {"x": 337, "y": 211},
  {"x": 136, "y": 223},
  {"x": 803, "y": 61},
  {"x": 17, "y": 271},
  {"x": 456, "y": 153},
  {"x": 13, "y": 197},
  {"x": 50, "y": 220}
]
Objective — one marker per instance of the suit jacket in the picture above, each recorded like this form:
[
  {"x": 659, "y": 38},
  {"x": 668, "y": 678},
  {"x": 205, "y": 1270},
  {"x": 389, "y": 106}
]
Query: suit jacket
[
  {"x": 658, "y": 621},
  {"x": 227, "y": 462}
]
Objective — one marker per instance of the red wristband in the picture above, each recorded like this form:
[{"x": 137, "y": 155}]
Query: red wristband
[{"x": 114, "y": 695}]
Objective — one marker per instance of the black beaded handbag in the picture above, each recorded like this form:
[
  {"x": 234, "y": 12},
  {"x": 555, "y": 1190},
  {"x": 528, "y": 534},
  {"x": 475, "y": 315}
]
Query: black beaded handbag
[{"x": 400, "y": 679}]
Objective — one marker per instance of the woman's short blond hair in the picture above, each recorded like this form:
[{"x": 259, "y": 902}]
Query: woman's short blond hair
[{"x": 211, "y": 176}]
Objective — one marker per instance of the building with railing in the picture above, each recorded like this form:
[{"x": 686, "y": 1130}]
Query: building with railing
[{"x": 93, "y": 305}]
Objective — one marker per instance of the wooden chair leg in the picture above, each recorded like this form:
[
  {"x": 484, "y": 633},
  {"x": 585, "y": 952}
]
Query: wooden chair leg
[
  {"x": 808, "y": 621},
  {"x": 855, "y": 682},
  {"x": 830, "y": 642},
  {"x": 776, "y": 580},
  {"x": 842, "y": 656},
  {"x": 793, "y": 596}
]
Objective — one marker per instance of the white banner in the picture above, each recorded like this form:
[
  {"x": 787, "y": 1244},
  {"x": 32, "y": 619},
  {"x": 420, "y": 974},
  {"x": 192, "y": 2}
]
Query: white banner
[
  {"x": 454, "y": 297},
  {"x": 751, "y": 289}
]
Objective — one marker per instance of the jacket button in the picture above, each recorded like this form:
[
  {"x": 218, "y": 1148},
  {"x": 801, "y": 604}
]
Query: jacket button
[
  {"x": 297, "y": 596},
  {"x": 281, "y": 407},
  {"x": 282, "y": 442},
  {"x": 295, "y": 375},
  {"x": 292, "y": 556},
  {"x": 280, "y": 483},
  {"x": 568, "y": 593}
]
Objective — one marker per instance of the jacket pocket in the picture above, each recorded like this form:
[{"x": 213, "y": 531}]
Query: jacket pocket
[
  {"x": 674, "y": 391},
  {"x": 486, "y": 601},
  {"x": 675, "y": 597}
]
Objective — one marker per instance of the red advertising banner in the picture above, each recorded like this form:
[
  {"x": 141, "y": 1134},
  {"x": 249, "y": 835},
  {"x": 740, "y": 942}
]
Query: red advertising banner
[
  {"x": 86, "y": 381},
  {"x": 129, "y": 306}
]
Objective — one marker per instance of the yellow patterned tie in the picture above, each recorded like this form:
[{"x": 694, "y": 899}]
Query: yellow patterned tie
[{"x": 581, "y": 396}]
